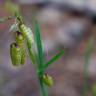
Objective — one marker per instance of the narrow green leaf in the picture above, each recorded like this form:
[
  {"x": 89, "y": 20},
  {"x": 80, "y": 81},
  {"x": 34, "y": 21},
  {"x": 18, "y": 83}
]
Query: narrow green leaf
[
  {"x": 57, "y": 56},
  {"x": 54, "y": 59},
  {"x": 40, "y": 52}
]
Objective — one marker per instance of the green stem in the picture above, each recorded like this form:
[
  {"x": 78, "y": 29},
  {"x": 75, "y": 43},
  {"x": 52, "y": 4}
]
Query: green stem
[
  {"x": 85, "y": 87},
  {"x": 43, "y": 90},
  {"x": 40, "y": 58},
  {"x": 88, "y": 53}
]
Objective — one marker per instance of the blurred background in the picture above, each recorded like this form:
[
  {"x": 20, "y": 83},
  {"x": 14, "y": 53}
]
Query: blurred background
[{"x": 65, "y": 24}]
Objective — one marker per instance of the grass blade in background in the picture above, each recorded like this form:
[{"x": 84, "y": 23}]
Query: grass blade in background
[
  {"x": 94, "y": 90},
  {"x": 88, "y": 53}
]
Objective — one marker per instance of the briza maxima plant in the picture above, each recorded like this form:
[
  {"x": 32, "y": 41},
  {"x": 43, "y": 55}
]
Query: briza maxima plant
[{"x": 27, "y": 39}]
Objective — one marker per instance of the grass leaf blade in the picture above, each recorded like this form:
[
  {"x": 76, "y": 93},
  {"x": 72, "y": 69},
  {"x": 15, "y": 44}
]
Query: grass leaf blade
[
  {"x": 57, "y": 56},
  {"x": 39, "y": 45},
  {"x": 88, "y": 54}
]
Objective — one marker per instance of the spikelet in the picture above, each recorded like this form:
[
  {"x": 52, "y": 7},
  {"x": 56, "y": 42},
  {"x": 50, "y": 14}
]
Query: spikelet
[
  {"x": 15, "y": 53},
  {"x": 48, "y": 80}
]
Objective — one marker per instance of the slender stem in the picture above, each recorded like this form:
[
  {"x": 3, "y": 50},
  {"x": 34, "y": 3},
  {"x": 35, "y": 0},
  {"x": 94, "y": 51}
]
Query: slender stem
[
  {"x": 88, "y": 53},
  {"x": 40, "y": 58},
  {"x": 43, "y": 90},
  {"x": 85, "y": 87}
]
